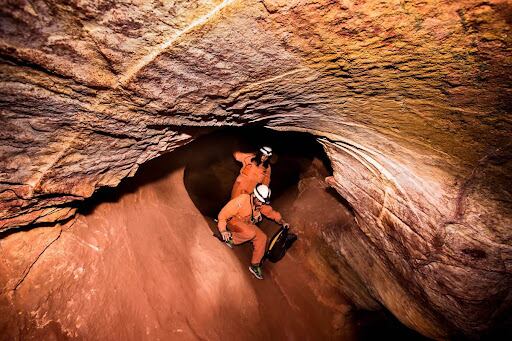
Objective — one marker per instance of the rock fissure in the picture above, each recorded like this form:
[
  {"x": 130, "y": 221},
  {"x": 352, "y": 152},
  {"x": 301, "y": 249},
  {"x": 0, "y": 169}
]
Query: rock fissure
[{"x": 31, "y": 265}]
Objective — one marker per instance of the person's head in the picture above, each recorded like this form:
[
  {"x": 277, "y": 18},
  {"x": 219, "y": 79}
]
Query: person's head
[
  {"x": 263, "y": 156},
  {"x": 261, "y": 195}
]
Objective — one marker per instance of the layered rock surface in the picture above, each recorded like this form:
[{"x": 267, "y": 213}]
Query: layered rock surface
[{"x": 411, "y": 99}]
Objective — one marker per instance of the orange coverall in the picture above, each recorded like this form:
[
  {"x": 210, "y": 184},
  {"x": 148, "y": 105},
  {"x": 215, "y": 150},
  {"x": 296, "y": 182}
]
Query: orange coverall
[
  {"x": 250, "y": 175},
  {"x": 237, "y": 216}
]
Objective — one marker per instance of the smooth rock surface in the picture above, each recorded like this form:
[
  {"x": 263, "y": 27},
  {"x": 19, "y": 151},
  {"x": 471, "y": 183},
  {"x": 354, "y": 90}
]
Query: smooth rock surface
[{"x": 412, "y": 100}]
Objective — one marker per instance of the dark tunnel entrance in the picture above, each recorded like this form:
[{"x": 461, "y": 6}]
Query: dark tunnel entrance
[{"x": 210, "y": 177}]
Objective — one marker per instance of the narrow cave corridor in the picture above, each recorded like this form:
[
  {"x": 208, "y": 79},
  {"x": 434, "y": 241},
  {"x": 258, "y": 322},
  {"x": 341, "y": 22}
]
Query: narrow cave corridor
[{"x": 299, "y": 167}]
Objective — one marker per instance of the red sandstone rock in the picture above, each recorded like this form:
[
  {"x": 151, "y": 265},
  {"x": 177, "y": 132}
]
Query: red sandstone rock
[{"x": 413, "y": 100}]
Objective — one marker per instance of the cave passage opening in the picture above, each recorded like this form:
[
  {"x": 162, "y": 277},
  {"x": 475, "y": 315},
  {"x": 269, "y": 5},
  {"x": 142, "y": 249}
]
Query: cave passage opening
[
  {"x": 299, "y": 191},
  {"x": 151, "y": 209},
  {"x": 299, "y": 162},
  {"x": 209, "y": 177}
]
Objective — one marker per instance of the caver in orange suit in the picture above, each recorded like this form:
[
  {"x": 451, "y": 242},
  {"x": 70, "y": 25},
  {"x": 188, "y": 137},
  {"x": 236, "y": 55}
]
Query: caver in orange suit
[
  {"x": 250, "y": 174},
  {"x": 240, "y": 215}
]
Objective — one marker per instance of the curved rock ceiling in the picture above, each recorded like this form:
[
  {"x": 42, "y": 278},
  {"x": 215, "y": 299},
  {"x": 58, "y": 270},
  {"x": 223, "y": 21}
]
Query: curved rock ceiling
[{"x": 411, "y": 100}]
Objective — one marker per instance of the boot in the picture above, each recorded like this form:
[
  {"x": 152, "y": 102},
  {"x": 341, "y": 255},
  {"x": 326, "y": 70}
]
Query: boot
[{"x": 256, "y": 270}]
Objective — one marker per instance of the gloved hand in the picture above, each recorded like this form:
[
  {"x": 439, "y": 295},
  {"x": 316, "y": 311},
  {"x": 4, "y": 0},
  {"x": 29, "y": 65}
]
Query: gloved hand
[{"x": 226, "y": 235}]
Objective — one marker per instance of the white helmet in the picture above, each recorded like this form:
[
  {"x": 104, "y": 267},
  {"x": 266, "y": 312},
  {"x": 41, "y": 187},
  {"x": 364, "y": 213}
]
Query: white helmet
[
  {"x": 266, "y": 151},
  {"x": 262, "y": 193}
]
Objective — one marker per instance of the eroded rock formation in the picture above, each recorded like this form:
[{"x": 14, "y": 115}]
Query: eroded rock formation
[{"x": 410, "y": 99}]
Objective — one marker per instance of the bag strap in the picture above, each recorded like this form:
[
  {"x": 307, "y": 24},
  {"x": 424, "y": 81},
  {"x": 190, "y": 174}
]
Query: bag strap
[{"x": 252, "y": 209}]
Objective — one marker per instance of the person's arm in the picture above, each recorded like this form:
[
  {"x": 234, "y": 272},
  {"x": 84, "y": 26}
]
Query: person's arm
[
  {"x": 270, "y": 213},
  {"x": 244, "y": 158},
  {"x": 266, "y": 179},
  {"x": 227, "y": 212}
]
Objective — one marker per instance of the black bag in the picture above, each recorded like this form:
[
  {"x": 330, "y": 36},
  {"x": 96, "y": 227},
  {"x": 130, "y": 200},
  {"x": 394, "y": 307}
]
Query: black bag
[{"x": 279, "y": 243}]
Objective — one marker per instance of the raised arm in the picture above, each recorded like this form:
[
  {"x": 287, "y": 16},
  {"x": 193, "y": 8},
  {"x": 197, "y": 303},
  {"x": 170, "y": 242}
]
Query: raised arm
[{"x": 243, "y": 157}]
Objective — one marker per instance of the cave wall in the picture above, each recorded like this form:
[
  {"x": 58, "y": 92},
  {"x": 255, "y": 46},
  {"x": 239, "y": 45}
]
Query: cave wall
[{"x": 412, "y": 100}]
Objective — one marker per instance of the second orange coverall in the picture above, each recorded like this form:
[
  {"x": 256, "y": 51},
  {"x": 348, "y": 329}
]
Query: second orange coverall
[
  {"x": 250, "y": 175},
  {"x": 237, "y": 216}
]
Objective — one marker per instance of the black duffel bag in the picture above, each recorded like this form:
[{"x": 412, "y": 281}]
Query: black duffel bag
[{"x": 279, "y": 243}]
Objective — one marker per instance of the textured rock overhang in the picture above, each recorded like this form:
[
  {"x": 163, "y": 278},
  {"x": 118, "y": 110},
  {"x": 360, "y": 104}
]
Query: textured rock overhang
[{"x": 411, "y": 101}]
